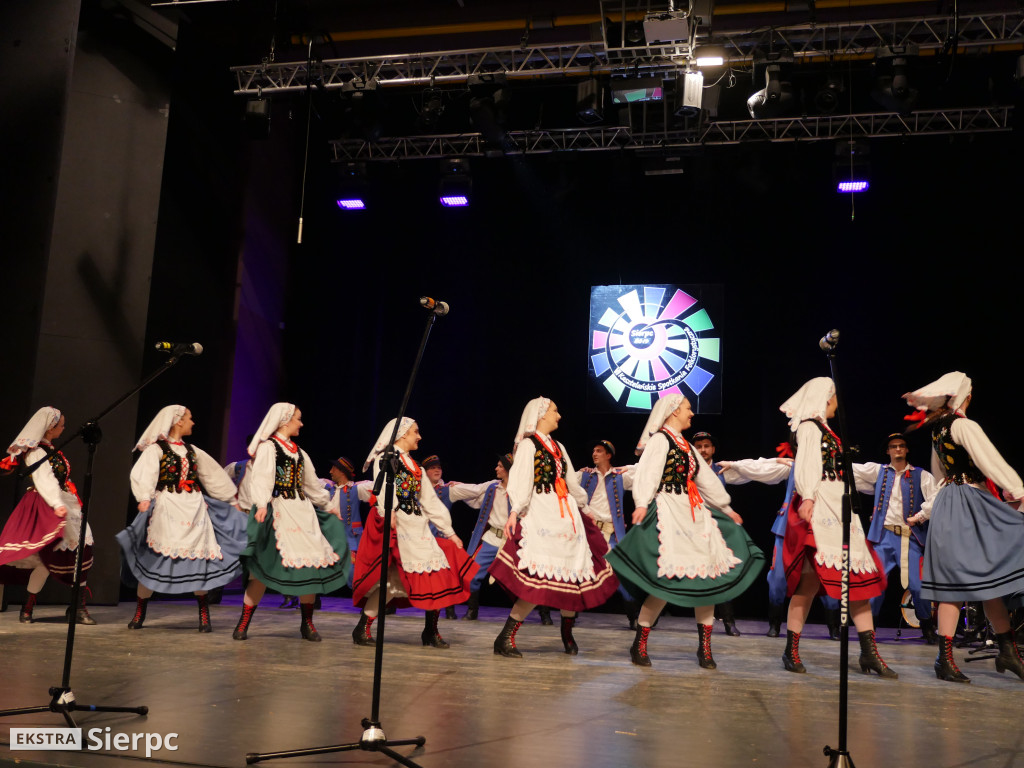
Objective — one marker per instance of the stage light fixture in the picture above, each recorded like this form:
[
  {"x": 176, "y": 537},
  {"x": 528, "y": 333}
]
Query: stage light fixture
[
  {"x": 827, "y": 97},
  {"x": 257, "y": 118},
  {"x": 689, "y": 94},
  {"x": 488, "y": 113},
  {"x": 665, "y": 27},
  {"x": 590, "y": 101},
  {"x": 851, "y": 169},
  {"x": 892, "y": 88},
  {"x": 431, "y": 107},
  {"x": 456, "y": 187},
  {"x": 777, "y": 96},
  {"x": 709, "y": 55},
  {"x": 352, "y": 188},
  {"x": 362, "y": 108}
]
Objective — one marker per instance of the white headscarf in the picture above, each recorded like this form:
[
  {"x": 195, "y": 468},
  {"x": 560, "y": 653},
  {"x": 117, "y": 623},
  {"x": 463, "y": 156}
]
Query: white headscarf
[
  {"x": 160, "y": 427},
  {"x": 385, "y": 438},
  {"x": 44, "y": 419},
  {"x": 951, "y": 389},
  {"x": 534, "y": 412},
  {"x": 662, "y": 409},
  {"x": 809, "y": 402},
  {"x": 278, "y": 415}
]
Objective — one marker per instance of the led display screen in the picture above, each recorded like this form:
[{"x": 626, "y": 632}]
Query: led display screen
[{"x": 650, "y": 340}]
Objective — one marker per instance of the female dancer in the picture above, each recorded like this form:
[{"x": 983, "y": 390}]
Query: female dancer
[
  {"x": 813, "y": 549},
  {"x": 179, "y": 542},
  {"x": 677, "y": 552},
  {"x": 293, "y": 547},
  {"x": 555, "y": 555},
  {"x": 975, "y": 547},
  {"x": 424, "y": 571},
  {"x": 44, "y": 530}
]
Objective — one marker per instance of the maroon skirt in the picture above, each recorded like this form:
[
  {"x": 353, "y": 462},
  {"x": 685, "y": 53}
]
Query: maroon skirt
[
  {"x": 799, "y": 545},
  {"x": 565, "y": 596},
  {"x": 429, "y": 591},
  {"x": 35, "y": 529}
]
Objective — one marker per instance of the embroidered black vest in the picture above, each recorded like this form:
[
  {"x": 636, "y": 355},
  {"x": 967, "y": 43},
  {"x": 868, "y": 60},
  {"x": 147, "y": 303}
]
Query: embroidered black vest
[
  {"x": 831, "y": 452},
  {"x": 960, "y": 469},
  {"x": 61, "y": 467},
  {"x": 545, "y": 469},
  {"x": 680, "y": 467},
  {"x": 170, "y": 477},
  {"x": 407, "y": 490},
  {"x": 288, "y": 474}
]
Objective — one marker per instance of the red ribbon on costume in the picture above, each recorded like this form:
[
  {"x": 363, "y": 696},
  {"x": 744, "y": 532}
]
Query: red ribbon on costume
[
  {"x": 784, "y": 450},
  {"x": 74, "y": 491},
  {"x": 695, "y": 498},
  {"x": 562, "y": 492},
  {"x": 916, "y": 416},
  {"x": 187, "y": 486},
  {"x": 993, "y": 489}
]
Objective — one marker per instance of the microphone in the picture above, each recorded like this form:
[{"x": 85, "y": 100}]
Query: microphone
[
  {"x": 179, "y": 348},
  {"x": 829, "y": 340},
  {"x": 439, "y": 308}
]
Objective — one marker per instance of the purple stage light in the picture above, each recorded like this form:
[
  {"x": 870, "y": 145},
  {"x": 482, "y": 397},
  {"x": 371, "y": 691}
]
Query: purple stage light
[
  {"x": 852, "y": 186},
  {"x": 454, "y": 201},
  {"x": 352, "y": 204}
]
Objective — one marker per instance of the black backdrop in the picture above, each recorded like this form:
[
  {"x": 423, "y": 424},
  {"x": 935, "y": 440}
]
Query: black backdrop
[{"x": 921, "y": 275}]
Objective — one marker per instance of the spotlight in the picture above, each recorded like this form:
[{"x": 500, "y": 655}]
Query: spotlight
[
  {"x": 851, "y": 169},
  {"x": 635, "y": 34},
  {"x": 351, "y": 188},
  {"x": 456, "y": 187},
  {"x": 777, "y": 95},
  {"x": 689, "y": 91},
  {"x": 431, "y": 107},
  {"x": 488, "y": 113},
  {"x": 826, "y": 98},
  {"x": 363, "y": 108},
  {"x": 590, "y": 102},
  {"x": 709, "y": 55},
  {"x": 257, "y": 118},
  {"x": 892, "y": 84}
]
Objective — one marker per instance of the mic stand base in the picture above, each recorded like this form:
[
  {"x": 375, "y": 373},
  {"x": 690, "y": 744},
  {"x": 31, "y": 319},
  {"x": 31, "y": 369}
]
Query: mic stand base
[
  {"x": 372, "y": 740},
  {"x": 63, "y": 703},
  {"x": 837, "y": 758}
]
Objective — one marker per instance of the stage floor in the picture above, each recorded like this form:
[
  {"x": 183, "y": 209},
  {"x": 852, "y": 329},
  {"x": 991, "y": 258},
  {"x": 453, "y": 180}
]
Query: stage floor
[{"x": 276, "y": 692}]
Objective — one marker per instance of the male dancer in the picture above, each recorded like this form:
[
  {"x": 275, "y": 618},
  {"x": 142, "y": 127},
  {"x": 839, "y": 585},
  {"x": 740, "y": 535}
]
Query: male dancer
[
  {"x": 448, "y": 493},
  {"x": 771, "y": 472},
  {"x": 604, "y": 485},
  {"x": 346, "y": 495},
  {"x": 489, "y": 531},
  {"x": 897, "y": 532},
  {"x": 706, "y": 446}
]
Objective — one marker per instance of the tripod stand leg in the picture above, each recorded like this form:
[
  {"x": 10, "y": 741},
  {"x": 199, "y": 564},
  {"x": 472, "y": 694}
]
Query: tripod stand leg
[
  {"x": 399, "y": 758},
  {"x": 255, "y": 757}
]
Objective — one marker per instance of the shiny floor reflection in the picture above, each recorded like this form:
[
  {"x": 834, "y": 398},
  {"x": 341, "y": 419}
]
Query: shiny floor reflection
[{"x": 277, "y": 692}]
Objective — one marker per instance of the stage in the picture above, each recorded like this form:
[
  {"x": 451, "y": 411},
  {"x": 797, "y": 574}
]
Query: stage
[{"x": 276, "y": 692}]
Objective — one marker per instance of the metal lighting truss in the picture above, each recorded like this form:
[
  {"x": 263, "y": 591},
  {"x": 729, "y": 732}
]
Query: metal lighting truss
[
  {"x": 806, "y": 40},
  {"x": 596, "y": 139}
]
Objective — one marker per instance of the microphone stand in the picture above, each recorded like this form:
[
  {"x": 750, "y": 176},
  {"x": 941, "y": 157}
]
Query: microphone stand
[
  {"x": 62, "y": 698},
  {"x": 840, "y": 756},
  {"x": 373, "y": 738}
]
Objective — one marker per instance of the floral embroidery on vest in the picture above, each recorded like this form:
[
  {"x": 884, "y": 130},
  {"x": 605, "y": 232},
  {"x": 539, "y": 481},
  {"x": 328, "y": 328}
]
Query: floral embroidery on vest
[
  {"x": 288, "y": 474},
  {"x": 960, "y": 469},
  {"x": 177, "y": 473}
]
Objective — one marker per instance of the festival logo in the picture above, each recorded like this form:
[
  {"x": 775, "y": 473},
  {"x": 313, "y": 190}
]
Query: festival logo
[{"x": 647, "y": 341}]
